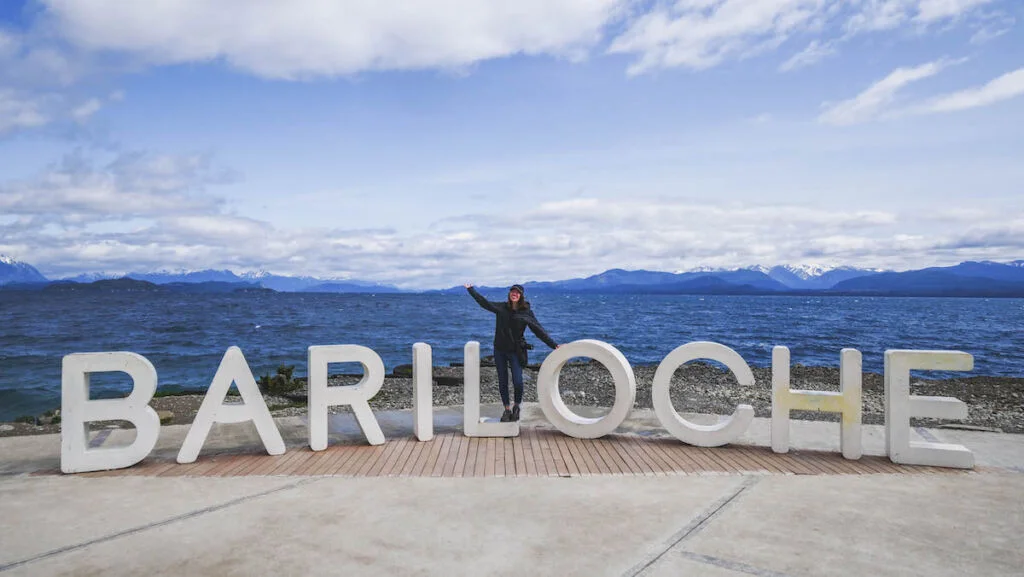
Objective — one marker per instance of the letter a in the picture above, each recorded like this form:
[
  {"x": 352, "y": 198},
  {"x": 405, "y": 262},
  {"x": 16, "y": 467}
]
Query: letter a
[
  {"x": 77, "y": 411},
  {"x": 233, "y": 369}
]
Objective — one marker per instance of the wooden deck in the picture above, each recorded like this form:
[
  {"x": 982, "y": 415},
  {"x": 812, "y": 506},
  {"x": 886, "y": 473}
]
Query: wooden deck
[{"x": 537, "y": 452}]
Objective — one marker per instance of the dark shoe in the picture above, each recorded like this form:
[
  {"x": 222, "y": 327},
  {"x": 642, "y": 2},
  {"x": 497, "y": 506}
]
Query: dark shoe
[
  {"x": 515, "y": 413},
  {"x": 506, "y": 416}
]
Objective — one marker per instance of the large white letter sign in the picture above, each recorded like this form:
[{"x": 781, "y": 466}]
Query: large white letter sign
[
  {"x": 472, "y": 424},
  {"x": 847, "y": 401},
  {"x": 726, "y": 430},
  {"x": 77, "y": 411},
  {"x": 900, "y": 406},
  {"x": 357, "y": 396},
  {"x": 422, "y": 394},
  {"x": 233, "y": 369},
  {"x": 551, "y": 398}
]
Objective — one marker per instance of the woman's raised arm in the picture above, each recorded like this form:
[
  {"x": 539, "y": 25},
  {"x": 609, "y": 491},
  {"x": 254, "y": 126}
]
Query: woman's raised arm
[{"x": 484, "y": 303}]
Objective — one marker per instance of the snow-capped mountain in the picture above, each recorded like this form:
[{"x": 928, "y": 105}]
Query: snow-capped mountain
[
  {"x": 15, "y": 271},
  {"x": 798, "y": 276}
]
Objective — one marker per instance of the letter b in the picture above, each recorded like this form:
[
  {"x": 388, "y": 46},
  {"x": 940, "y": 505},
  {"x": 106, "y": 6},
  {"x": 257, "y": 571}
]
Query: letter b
[{"x": 77, "y": 411}]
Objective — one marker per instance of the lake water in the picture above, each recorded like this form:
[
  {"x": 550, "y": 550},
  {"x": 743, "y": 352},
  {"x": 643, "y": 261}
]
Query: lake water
[{"x": 185, "y": 335}]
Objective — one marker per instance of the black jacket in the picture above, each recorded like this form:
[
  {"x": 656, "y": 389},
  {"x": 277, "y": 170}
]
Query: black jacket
[{"x": 510, "y": 325}]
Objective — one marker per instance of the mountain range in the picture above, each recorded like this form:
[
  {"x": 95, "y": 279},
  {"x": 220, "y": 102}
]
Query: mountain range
[{"x": 984, "y": 278}]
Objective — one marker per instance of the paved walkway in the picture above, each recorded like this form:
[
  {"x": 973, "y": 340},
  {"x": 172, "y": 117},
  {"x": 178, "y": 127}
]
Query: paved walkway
[{"x": 715, "y": 512}]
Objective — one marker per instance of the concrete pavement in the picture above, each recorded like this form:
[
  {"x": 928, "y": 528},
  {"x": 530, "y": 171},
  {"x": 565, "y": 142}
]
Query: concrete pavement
[{"x": 926, "y": 524}]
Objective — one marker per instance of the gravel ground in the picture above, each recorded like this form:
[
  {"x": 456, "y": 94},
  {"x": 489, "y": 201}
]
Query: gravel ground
[{"x": 994, "y": 402}]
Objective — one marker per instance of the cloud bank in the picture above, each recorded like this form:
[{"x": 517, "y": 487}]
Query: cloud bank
[{"x": 140, "y": 212}]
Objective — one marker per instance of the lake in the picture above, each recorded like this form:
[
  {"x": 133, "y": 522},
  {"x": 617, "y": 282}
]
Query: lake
[{"x": 185, "y": 335}]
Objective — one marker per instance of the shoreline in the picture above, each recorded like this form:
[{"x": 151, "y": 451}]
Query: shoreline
[{"x": 994, "y": 403}]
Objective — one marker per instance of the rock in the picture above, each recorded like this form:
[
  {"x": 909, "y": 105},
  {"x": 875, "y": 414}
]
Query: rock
[
  {"x": 166, "y": 417},
  {"x": 4, "y": 428},
  {"x": 448, "y": 380}
]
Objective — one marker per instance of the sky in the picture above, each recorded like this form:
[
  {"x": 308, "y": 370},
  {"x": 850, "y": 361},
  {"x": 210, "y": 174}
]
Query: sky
[{"x": 439, "y": 142}]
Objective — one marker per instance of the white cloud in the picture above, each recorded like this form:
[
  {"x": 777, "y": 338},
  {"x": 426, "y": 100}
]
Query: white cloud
[
  {"x": 18, "y": 111},
  {"x": 149, "y": 212},
  {"x": 1009, "y": 85},
  {"x": 86, "y": 109},
  {"x": 76, "y": 193},
  {"x": 815, "y": 52},
  {"x": 699, "y": 34},
  {"x": 877, "y": 98},
  {"x": 309, "y": 38},
  {"x": 933, "y": 10}
]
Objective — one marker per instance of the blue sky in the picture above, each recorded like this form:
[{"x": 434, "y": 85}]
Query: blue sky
[{"x": 453, "y": 140}]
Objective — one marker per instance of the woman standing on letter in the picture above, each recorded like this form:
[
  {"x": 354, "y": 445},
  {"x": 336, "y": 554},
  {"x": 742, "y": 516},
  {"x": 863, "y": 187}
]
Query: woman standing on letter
[{"x": 511, "y": 319}]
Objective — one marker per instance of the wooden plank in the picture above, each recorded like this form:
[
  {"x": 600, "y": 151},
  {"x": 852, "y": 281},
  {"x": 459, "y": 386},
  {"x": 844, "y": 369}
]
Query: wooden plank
[
  {"x": 657, "y": 457},
  {"x": 240, "y": 464},
  {"x": 247, "y": 470},
  {"x": 766, "y": 458},
  {"x": 538, "y": 453},
  {"x": 548, "y": 455},
  {"x": 395, "y": 460},
  {"x": 289, "y": 457},
  {"x": 629, "y": 445},
  {"x": 561, "y": 441},
  {"x": 351, "y": 465},
  {"x": 470, "y": 465},
  {"x": 434, "y": 456},
  {"x": 519, "y": 455},
  {"x": 678, "y": 457},
  {"x": 313, "y": 458},
  {"x": 556, "y": 456},
  {"x": 581, "y": 456},
  {"x": 425, "y": 462},
  {"x": 442, "y": 456},
  {"x": 480, "y": 465},
  {"x": 613, "y": 463},
  {"x": 528, "y": 456},
  {"x": 602, "y": 467},
  {"x": 346, "y": 455},
  {"x": 510, "y": 459},
  {"x": 715, "y": 454},
  {"x": 633, "y": 465},
  {"x": 390, "y": 447},
  {"x": 375, "y": 453},
  {"x": 489, "y": 458},
  {"x": 453, "y": 455}
]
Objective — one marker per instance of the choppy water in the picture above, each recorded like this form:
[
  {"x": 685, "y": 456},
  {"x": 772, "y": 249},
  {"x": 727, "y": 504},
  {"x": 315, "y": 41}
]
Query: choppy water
[{"x": 184, "y": 336}]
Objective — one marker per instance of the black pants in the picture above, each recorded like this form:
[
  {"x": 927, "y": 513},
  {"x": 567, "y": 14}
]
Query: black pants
[{"x": 504, "y": 362}]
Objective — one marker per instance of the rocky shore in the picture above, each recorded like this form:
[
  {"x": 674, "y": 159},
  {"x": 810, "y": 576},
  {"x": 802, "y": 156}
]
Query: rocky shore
[{"x": 995, "y": 403}]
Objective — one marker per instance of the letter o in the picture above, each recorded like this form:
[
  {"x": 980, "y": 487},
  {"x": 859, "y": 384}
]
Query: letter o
[
  {"x": 551, "y": 398},
  {"x": 716, "y": 435}
]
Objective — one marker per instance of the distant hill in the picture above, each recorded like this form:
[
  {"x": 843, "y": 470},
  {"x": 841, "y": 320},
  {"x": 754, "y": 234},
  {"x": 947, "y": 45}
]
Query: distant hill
[
  {"x": 931, "y": 282},
  {"x": 215, "y": 287},
  {"x": 970, "y": 278},
  {"x": 13, "y": 271},
  {"x": 107, "y": 285},
  {"x": 340, "y": 287}
]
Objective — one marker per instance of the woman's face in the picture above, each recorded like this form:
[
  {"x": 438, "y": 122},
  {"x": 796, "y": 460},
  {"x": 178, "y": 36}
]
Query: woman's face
[{"x": 514, "y": 296}]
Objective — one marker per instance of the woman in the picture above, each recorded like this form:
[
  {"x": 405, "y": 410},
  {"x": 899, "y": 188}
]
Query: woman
[{"x": 511, "y": 319}]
